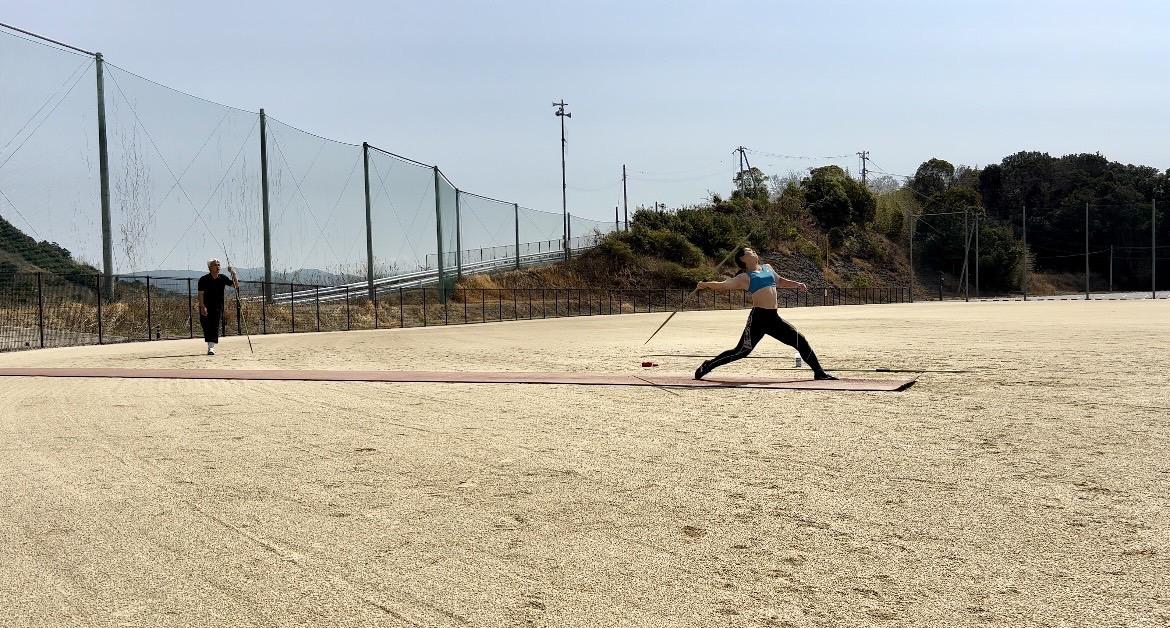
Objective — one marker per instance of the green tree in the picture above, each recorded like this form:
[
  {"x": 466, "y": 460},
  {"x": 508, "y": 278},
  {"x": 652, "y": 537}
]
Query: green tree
[
  {"x": 932, "y": 178},
  {"x": 836, "y": 200},
  {"x": 751, "y": 183}
]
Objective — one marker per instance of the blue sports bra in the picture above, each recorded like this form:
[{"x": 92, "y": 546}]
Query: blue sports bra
[{"x": 762, "y": 278}]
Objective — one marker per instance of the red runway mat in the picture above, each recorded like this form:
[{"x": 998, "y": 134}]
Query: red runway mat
[{"x": 584, "y": 379}]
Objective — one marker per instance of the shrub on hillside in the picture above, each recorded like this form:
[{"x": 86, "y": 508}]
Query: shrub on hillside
[
  {"x": 863, "y": 244},
  {"x": 710, "y": 231},
  {"x": 675, "y": 275},
  {"x": 890, "y": 217},
  {"x": 668, "y": 245},
  {"x": 614, "y": 249}
]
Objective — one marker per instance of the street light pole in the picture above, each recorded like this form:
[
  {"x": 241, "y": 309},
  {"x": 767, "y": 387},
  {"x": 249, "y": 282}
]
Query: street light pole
[{"x": 562, "y": 114}]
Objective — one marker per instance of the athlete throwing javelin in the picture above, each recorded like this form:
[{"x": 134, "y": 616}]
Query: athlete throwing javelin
[{"x": 761, "y": 282}]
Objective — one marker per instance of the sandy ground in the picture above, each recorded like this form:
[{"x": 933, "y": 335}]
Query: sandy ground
[{"x": 1031, "y": 490}]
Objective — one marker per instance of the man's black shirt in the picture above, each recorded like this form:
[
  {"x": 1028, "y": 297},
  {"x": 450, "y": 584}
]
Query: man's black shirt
[{"x": 212, "y": 290}]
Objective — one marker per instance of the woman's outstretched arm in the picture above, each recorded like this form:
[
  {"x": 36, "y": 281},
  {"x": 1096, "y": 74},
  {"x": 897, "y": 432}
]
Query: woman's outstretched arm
[
  {"x": 784, "y": 282},
  {"x": 738, "y": 282}
]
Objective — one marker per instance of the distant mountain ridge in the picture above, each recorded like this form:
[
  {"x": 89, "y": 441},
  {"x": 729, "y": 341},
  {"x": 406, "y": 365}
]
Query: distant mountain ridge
[
  {"x": 21, "y": 253},
  {"x": 304, "y": 275}
]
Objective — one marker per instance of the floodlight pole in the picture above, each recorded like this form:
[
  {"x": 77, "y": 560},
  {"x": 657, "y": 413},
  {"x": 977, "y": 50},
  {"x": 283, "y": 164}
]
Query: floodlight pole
[{"x": 562, "y": 114}]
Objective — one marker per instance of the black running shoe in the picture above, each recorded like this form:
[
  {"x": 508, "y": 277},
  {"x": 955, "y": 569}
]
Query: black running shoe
[
  {"x": 702, "y": 370},
  {"x": 825, "y": 375}
]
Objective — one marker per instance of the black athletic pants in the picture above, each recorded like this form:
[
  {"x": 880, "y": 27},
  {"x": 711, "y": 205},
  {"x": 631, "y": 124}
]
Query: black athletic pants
[
  {"x": 210, "y": 324},
  {"x": 763, "y": 321}
]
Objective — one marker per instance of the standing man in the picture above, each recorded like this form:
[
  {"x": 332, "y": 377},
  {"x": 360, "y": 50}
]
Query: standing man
[{"x": 211, "y": 288}]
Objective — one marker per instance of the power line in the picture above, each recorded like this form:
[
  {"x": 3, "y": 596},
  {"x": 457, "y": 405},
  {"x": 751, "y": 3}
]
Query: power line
[{"x": 781, "y": 156}]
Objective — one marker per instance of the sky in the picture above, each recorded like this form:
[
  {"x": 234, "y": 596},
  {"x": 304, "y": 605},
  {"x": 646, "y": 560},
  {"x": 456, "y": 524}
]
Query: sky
[{"x": 667, "y": 88}]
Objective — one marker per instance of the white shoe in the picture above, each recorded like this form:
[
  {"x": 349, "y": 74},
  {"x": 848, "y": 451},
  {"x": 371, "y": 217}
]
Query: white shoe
[{"x": 211, "y": 352}]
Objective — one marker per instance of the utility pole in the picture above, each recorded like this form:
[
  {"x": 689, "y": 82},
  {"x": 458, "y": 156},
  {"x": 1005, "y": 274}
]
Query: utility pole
[
  {"x": 1154, "y": 249},
  {"x": 977, "y": 255},
  {"x": 864, "y": 155},
  {"x": 625, "y": 198},
  {"x": 913, "y": 224},
  {"x": 616, "y": 226},
  {"x": 966, "y": 258},
  {"x": 743, "y": 161},
  {"x": 562, "y": 114},
  {"x": 739, "y": 174},
  {"x": 1025, "y": 224},
  {"x": 1086, "y": 251}
]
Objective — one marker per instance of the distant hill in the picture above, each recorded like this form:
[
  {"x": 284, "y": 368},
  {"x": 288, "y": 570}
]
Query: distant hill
[{"x": 21, "y": 253}]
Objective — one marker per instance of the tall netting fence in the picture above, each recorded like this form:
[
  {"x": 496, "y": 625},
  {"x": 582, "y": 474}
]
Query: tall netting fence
[
  {"x": 448, "y": 228},
  {"x": 189, "y": 179},
  {"x": 324, "y": 234},
  {"x": 541, "y": 233},
  {"x": 49, "y": 185},
  {"x": 1098, "y": 248},
  {"x": 584, "y": 233},
  {"x": 316, "y": 206},
  {"x": 184, "y": 178},
  {"x": 488, "y": 232},
  {"x": 402, "y": 214}
]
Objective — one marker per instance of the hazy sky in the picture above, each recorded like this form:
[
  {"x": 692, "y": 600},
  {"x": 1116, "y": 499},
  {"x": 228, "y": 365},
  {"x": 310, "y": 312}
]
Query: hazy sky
[{"x": 669, "y": 88}]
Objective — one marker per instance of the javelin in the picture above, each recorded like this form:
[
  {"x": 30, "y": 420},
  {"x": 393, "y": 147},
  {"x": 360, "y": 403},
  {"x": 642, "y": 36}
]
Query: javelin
[
  {"x": 733, "y": 250},
  {"x": 243, "y": 320}
]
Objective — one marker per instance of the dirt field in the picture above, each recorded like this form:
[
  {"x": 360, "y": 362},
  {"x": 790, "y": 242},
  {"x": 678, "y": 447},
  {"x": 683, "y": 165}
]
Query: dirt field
[{"x": 1031, "y": 489}]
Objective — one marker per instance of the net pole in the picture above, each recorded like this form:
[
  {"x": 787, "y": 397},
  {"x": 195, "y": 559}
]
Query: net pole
[
  {"x": 104, "y": 174},
  {"x": 516, "y": 212},
  {"x": 264, "y": 206},
  {"x": 438, "y": 229},
  {"x": 369, "y": 223},
  {"x": 459, "y": 238}
]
